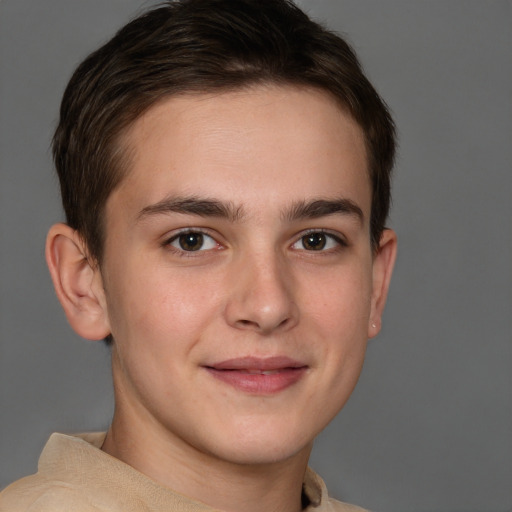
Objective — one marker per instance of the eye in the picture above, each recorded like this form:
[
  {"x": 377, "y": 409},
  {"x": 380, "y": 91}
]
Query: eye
[
  {"x": 191, "y": 241},
  {"x": 318, "y": 241}
]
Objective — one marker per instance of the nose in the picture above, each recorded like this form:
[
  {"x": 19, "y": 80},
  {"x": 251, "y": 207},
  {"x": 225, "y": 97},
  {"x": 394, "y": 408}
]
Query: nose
[{"x": 262, "y": 298}]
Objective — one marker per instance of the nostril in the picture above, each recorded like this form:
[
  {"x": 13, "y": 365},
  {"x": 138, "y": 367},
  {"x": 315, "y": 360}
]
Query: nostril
[
  {"x": 284, "y": 322},
  {"x": 255, "y": 314},
  {"x": 246, "y": 322},
  {"x": 261, "y": 326}
]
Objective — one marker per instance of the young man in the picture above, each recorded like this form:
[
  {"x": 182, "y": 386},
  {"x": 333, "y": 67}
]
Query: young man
[{"x": 225, "y": 173}]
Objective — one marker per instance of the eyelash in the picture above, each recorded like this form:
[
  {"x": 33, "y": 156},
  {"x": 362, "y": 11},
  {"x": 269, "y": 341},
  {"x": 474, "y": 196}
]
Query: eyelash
[
  {"x": 338, "y": 240},
  {"x": 183, "y": 252}
]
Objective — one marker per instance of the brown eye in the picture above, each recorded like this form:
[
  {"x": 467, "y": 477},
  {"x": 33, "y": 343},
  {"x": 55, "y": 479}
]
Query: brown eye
[
  {"x": 191, "y": 241},
  {"x": 314, "y": 241},
  {"x": 319, "y": 241}
]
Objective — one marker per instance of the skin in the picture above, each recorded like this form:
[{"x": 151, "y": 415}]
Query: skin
[{"x": 255, "y": 287}]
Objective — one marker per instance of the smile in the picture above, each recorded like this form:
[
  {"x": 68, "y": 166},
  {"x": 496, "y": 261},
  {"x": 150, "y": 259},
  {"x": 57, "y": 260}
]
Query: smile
[
  {"x": 259, "y": 372},
  {"x": 259, "y": 376}
]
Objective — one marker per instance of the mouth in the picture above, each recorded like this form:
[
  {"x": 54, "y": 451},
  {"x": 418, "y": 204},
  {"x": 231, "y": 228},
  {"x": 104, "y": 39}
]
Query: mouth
[
  {"x": 257, "y": 372},
  {"x": 261, "y": 376}
]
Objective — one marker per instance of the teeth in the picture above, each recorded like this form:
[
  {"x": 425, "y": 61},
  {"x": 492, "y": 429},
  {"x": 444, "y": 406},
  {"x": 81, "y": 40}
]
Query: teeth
[{"x": 260, "y": 372}]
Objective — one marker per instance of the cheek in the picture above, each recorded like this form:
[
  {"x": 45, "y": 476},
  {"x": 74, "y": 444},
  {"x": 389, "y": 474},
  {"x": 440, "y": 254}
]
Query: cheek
[
  {"x": 156, "y": 324},
  {"x": 159, "y": 305},
  {"x": 339, "y": 312},
  {"x": 340, "y": 301}
]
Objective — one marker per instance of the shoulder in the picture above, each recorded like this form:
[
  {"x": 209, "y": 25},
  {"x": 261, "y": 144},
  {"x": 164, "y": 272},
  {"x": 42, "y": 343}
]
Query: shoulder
[
  {"x": 319, "y": 500},
  {"x": 37, "y": 494},
  {"x": 333, "y": 505},
  {"x": 58, "y": 485}
]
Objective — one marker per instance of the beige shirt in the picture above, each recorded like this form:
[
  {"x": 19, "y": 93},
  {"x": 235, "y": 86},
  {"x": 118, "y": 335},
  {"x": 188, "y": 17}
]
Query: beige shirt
[{"x": 74, "y": 475}]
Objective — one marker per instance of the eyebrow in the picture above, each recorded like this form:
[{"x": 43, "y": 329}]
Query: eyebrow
[
  {"x": 323, "y": 207},
  {"x": 205, "y": 207},
  {"x": 202, "y": 207}
]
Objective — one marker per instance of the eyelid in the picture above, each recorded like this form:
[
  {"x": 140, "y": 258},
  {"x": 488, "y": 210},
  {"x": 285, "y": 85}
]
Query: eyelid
[
  {"x": 336, "y": 236},
  {"x": 169, "y": 239}
]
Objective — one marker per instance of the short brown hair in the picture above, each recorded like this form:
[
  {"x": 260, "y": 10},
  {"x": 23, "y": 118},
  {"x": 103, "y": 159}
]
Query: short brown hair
[{"x": 187, "y": 46}]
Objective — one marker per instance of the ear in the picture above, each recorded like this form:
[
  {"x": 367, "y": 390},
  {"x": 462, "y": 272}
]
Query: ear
[
  {"x": 77, "y": 281},
  {"x": 383, "y": 262}
]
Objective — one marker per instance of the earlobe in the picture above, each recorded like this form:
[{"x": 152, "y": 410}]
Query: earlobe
[
  {"x": 77, "y": 283},
  {"x": 383, "y": 263}
]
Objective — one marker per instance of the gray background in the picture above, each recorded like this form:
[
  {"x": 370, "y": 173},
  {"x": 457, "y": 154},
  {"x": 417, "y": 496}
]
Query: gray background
[{"x": 429, "y": 427}]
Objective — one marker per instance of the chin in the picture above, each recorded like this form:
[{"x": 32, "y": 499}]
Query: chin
[
  {"x": 262, "y": 455},
  {"x": 263, "y": 444}
]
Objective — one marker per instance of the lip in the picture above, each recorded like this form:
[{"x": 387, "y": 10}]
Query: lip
[{"x": 263, "y": 376}]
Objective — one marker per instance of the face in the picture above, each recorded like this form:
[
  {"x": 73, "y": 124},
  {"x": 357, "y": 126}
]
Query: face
[{"x": 238, "y": 274}]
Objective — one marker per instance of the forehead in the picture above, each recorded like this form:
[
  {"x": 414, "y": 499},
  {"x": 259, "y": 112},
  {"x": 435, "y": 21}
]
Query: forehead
[{"x": 280, "y": 141}]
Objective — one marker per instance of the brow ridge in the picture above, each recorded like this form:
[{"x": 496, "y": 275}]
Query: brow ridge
[
  {"x": 192, "y": 205},
  {"x": 317, "y": 208},
  {"x": 207, "y": 207}
]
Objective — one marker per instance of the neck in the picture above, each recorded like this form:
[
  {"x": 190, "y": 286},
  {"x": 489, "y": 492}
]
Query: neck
[{"x": 221, "y": 484}]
